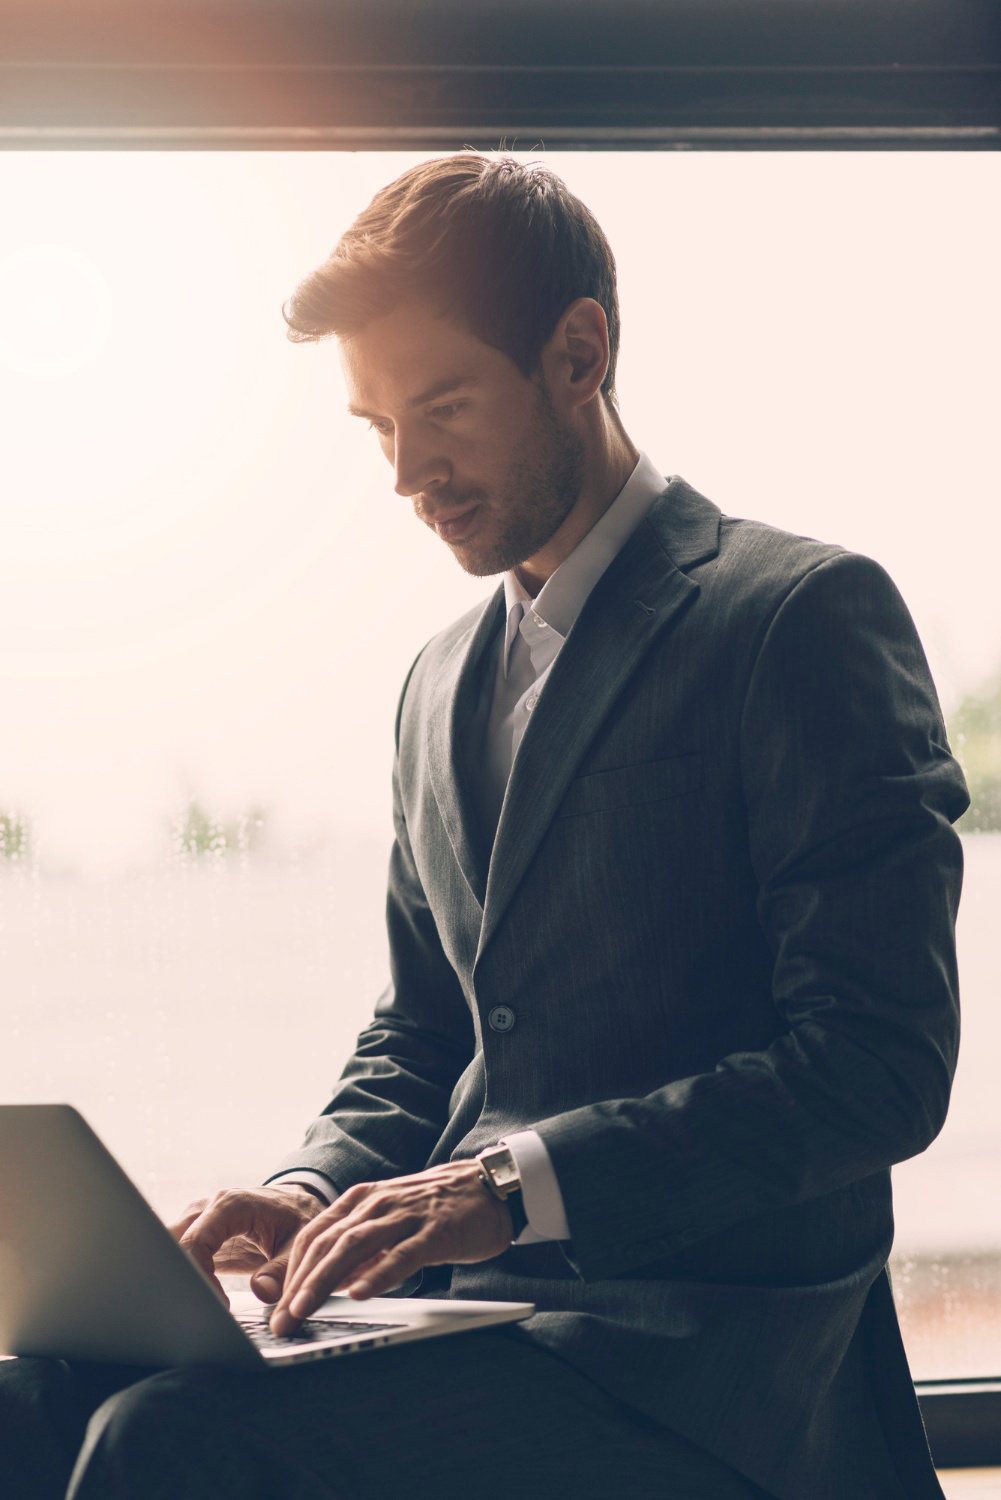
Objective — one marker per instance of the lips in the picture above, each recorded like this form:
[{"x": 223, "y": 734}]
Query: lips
[{"x": 456, "y": 527}]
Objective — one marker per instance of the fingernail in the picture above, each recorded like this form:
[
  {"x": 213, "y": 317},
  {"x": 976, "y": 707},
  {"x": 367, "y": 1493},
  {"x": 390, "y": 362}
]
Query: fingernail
[
  {"x": 360, "y": 1289},
  {"x": 267, "y": 1288}
]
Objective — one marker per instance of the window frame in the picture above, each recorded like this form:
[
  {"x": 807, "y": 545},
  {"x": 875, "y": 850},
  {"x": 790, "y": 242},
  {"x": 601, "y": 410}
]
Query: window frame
[{"x": 436, "y": 75}]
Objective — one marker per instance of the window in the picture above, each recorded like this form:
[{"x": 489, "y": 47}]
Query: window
[{"x": 210, "y": 597}]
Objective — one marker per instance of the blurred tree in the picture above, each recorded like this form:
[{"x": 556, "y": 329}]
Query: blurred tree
[
  {"x": 975, "y": 733},
  {"x": 15, "y": 838},
  {"x": 196, "y": 833}
]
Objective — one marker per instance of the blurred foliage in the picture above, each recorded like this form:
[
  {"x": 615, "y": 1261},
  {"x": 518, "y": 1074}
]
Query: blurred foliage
[
  {"x": 975, "y": 736},
  {"x": 15, "y": 838},
  {"x": 197, "y": 834}
]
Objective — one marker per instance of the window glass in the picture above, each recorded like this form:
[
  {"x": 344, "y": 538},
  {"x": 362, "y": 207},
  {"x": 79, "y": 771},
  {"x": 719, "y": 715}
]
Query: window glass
[{"x": 210, "y": 595}]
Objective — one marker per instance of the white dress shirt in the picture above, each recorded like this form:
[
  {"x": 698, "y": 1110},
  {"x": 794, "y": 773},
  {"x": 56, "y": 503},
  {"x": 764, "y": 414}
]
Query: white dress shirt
[{"x": 534, "y": 632}]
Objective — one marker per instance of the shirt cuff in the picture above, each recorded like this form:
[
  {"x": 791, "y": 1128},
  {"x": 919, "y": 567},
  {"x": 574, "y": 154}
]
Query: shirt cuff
[
  {"x": 540, "y": 1191},
  {"x": 319, "y": 1183}
]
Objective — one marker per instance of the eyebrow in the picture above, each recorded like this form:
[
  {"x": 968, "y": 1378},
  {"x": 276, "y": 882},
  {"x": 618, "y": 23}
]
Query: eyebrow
[{"x": 432, "y": 393}]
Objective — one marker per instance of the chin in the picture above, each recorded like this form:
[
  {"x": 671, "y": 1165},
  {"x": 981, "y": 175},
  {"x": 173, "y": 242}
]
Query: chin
[
  {"x": 476, "y": 559},
  {"x": 477, "y": 566}
]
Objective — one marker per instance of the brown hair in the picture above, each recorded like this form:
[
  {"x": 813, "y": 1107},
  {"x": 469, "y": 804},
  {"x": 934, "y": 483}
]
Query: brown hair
[{"x": 503, "y": 246}]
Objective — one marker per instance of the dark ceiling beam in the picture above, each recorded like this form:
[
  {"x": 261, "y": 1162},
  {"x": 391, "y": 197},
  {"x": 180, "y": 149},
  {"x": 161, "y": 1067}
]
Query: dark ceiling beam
[{"x": 437, "y": 74}]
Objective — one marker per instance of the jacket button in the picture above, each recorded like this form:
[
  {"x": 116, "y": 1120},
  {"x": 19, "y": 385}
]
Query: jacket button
[{"x": 501, "y": 1018}]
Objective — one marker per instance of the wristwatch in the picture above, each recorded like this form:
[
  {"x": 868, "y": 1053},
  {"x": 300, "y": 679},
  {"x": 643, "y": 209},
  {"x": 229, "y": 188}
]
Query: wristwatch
[{"x": 499, "y": 1171}]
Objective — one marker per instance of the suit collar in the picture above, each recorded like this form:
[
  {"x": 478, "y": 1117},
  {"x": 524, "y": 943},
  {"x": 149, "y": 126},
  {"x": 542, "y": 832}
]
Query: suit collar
[
  {"x": 562, "y": 597},
  {"x": 640, "y": 595},
  {"x": 453, "y": 696},
  {"x": 686, "y": 524}
]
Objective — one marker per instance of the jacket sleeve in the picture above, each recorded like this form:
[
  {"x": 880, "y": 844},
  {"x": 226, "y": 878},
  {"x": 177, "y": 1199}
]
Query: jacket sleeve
[
  {"x": 850, "y": 792},
  {"x": 391, "y": 1104}
]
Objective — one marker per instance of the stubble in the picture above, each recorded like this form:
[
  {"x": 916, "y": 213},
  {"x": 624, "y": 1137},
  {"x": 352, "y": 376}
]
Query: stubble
[{"x": 539, "y": 492}]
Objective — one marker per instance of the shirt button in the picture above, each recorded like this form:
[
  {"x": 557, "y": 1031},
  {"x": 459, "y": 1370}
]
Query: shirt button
[
  {"x": 501, "y": 1018},
  {"x": 530, "y": 703},
  {"x": 539, "y": 620}
]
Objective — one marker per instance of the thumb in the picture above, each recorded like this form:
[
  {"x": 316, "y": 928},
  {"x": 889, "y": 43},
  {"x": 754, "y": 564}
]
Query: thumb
[{"x": 267, "y": 1283}]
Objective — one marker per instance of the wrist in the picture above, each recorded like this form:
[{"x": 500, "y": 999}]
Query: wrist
[
  {"x": 500, "y": 1176},
  {"x": 308, "y": 1196}
]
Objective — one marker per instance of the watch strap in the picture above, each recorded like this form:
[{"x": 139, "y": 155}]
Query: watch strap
[{"x": 519, "y": 1218}]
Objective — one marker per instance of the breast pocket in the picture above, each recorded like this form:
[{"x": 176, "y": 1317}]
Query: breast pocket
[{"x": 632, "y": 786}]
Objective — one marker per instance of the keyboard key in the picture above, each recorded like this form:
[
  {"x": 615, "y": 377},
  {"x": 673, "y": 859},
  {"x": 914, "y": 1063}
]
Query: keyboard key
[{"x": 311, "y": 1331}]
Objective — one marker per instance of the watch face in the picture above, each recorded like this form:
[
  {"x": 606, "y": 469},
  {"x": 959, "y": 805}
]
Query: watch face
[{"x": 503, "y": 1169}]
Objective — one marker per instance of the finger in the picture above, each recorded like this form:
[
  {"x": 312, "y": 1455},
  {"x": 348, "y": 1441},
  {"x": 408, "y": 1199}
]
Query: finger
[
  {"x": 228, "y": 1215},
  {"x": 191, "y": 1213},
  {"x": 368, "y": 1265},
  {"x": 329, "y": 1264},
  {"x": 329, "y": 1257},
  {"x": 267, "y": 1283},
  {"x": 308, "y": 1233},
  {"x": 315, "y": 1238},
  {"x": 343, "y": 1246},
  {"x": 334, "y": 1214},
  {"x": 343, "y": 1263},
  {"x": 381, "y": 1274}
]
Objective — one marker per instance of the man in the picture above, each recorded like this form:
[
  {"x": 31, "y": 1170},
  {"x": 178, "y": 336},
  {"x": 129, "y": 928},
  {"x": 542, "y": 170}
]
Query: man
[{"x": 671, "y": 909}]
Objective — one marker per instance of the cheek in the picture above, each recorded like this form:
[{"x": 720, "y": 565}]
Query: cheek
[{"x": 488, "y": 457}]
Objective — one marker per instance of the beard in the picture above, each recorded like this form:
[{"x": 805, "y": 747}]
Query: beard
[{"x": 537, "y": 494}]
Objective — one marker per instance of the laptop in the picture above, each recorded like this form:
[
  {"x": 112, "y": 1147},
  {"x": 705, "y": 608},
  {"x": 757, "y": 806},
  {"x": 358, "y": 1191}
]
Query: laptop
[{"x": 88, "y": 1271}]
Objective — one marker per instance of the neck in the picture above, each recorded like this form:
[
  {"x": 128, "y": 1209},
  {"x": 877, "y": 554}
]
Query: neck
[{"x": 609, "y": 458}]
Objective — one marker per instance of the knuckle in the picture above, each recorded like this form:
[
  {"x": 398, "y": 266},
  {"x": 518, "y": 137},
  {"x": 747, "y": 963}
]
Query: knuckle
[
  {"x": 318, "y": 1247},
  {"x": 356, "y": 1194}
]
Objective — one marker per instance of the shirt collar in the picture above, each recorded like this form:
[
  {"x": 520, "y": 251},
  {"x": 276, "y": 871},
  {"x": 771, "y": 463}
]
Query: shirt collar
[{"x": 562, "y": 597}]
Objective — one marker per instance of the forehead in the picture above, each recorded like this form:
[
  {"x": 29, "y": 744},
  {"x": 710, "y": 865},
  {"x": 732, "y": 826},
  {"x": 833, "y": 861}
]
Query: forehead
[{"x": 398, "y": 356}]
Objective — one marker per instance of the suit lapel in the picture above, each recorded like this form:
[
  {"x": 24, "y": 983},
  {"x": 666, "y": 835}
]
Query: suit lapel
[
  {"x": 452, "y": 705},
  {"x": 639, "y": 596}
]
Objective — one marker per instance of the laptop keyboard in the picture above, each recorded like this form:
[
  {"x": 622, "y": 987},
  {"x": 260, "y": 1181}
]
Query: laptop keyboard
[{"x": 313, "y": 1329}]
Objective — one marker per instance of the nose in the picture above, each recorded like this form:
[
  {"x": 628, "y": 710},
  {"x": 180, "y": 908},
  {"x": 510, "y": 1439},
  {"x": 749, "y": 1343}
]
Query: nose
[{"x": 419, "y": 462}]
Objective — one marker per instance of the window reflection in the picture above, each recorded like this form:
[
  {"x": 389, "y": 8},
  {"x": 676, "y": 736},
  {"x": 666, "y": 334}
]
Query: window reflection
[{"x": 209, "y": 597}]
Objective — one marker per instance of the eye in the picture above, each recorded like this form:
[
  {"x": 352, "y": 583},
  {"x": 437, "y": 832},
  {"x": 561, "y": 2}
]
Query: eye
[
  {"x": 382, "y": 428},
  {"x": 447, "y": 411}
]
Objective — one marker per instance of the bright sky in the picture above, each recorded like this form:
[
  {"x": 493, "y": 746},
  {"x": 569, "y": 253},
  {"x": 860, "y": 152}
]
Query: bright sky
[{"x": 207, "y": 584}]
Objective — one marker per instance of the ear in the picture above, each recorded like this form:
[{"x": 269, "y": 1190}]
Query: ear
[{"x": 575, "y": 357}]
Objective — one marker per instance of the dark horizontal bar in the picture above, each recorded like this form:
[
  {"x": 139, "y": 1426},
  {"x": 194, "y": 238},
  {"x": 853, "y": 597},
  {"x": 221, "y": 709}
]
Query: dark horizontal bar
[
  {"x": 359, "y": 107},
  {"x": 262, "y": 69},
  {"x": 963, "y": 1421},
  {"x": 506, "y": 137},
  {"x": 436, "y": 74},
  {"x": 717, "y": 33}
]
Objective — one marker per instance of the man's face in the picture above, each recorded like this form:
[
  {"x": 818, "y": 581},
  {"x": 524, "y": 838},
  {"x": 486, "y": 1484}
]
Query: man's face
[{"x": 480, "y": 450}]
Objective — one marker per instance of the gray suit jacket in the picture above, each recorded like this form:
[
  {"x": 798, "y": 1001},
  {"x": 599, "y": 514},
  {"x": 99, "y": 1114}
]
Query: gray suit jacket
[{"x": 721, "y": 903}]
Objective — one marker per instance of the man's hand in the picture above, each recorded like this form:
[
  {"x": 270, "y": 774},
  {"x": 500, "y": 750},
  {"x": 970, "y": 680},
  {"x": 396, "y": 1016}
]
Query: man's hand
[
  {"x": 379, "y": 1233},
  {"x": 247, "y": 1229}
]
